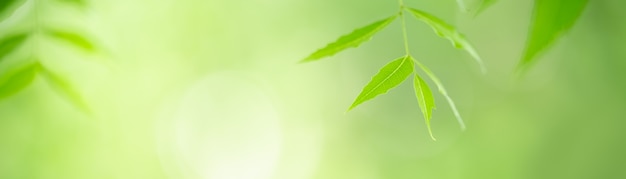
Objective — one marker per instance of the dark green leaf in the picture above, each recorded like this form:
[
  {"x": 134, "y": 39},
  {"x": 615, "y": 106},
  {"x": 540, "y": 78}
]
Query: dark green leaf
[
  {"x": 390, "y": 76},
  {"x": 74, "y": 39},
  {"x": 5, "y": 4},
  {"x": 425, "y": 100},
  {"x": 551, "y": 19},
  {"x": 353, "y": 39},
  {"x": 16, "y": 80},
  {"x": 443, "y": 92},
  {"x": 9, "y": 44},
  {"x": 66, "y": 90},
  {"x": 8, "y": 6},
  {"x": 447, "y": 31}
]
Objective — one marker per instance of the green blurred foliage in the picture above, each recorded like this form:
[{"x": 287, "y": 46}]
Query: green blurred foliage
[
  {"x": 551, "y": 19},
  {"x": 211, "y": 89}
]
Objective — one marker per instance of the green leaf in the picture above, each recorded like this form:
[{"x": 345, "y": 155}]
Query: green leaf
[
  {"x": 74, "y": 39},
  {"x": 8, "y": 6},
  {"x": 5, "y": 4},
  {"x": 9, "y": 44},
  {"x": 390, "y": 76},
  {"x": 353, "y": 39},
  {"x": 443, "y": 92},
  {"x": 447, "y": 31},
  {"x": 66, "y": 90},
  {"x": 551, "y": 19},
  {"x": 16, "y": 80},
  {"x": 425, "y": 100}
]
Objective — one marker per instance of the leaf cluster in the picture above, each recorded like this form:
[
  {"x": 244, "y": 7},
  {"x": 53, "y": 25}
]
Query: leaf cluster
[
  {"x": 397, "y": 71},
  {"x": 24, "y": 47},
  {"x": 551, "y": 19}
]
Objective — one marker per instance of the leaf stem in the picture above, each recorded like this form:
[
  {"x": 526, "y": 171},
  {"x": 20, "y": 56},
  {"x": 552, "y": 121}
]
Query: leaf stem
[{"x": 404, "y": 33}]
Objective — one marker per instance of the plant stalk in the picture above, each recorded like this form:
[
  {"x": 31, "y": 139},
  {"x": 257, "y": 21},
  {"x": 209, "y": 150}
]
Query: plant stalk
[{"x": 404, "y": 33}]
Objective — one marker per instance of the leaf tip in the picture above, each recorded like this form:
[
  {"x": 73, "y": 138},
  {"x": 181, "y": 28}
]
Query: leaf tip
[
  {"x": 306, "y": 60},
  {"x": 431, "y": 134},
  {"x": 354, "y": 105}
]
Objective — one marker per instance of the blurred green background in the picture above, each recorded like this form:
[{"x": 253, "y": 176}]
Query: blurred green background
[{"x": 211, "y": 89}]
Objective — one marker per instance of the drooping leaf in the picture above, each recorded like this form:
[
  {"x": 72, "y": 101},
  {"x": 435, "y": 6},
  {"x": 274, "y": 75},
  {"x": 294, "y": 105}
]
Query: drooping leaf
[
  {"x": 73, "y": 38},
  {"x": 425, "y": 100},
  {"x": 16, "y": 80},
  {"x": 66, "y": 90},
  {"x": 443, "y": 92},
  {"x": 353, "y": 39},
  {"x": 447, "y": 31},
  {"x": 10, "y": 43},
  {"x": 390, "y": 76},
  {"x": 551, "y": 19}
]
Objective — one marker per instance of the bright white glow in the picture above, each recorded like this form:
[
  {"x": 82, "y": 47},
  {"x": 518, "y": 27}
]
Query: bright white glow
[{"x": 227, "y": 128}]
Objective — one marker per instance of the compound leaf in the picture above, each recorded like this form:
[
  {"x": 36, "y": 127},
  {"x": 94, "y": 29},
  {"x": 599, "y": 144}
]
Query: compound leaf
[
  {"x": 425, "y": 100},
  {"x": 551, "y": 19},
  {"x": 66, "y": 90},
  {"x": 10, "y": 43},
  {"x": 353, "y": 39},
  {"x": 443, "y": 92},
  {"x": 447, "y": 31},
  {"x": 390, "y": 76},
  {"x": 16, "y": 80},
  {"x": 73, "y": 38}
]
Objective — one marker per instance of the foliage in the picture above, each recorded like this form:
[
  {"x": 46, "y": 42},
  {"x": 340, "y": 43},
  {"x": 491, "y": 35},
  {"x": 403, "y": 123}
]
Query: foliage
[
  {"x": 398, "y": 70},
  {"x": 447, "y": 31},
  {"x": 353, "y": 39},
  {"x": 29, "y": 66},
  {"x": 551, "y": 19},
  {"x": 390, "y": 76},
  {"x": 425, "y": 99}
]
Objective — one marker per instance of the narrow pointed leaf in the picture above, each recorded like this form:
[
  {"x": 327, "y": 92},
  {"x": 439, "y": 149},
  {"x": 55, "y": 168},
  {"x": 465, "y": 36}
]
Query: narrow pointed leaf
[
  {"x": 551, "y": 19},
  {"x": 74, "y": 39},
  {"x": 66, "y": 90},
  {"x": 353, "y": 39},
  {"x": 18, "y": 79},
  {"x": 10, "y": 43},
  {"x": 425, "y": 100},
  {"x": 443, "y": 92},
  {"x": 447, "y": 31},
  {"x": 390, "y": 76}
]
